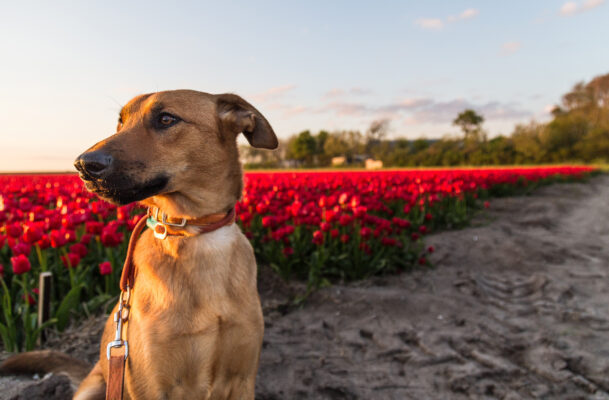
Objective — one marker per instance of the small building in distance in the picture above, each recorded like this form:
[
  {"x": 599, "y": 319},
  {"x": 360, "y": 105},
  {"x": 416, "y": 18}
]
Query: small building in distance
[
  {"x": 373, "y": 164},
  {"x": 339, "y": 161}
]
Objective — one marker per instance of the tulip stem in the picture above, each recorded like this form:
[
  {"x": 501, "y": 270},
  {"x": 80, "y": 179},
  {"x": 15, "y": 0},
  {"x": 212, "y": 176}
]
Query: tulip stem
[
  {"x": 41, "y": 259},
  {"x": 26, "y": 320},
  {"x": 69, "y": 265}
]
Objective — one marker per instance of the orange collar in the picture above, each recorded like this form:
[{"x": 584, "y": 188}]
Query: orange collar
[{"x": 165, "y": 225}]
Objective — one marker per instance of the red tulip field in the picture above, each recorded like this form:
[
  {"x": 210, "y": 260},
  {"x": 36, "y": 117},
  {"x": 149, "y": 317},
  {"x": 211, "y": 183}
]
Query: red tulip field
[{"x": 317, "y": 227}]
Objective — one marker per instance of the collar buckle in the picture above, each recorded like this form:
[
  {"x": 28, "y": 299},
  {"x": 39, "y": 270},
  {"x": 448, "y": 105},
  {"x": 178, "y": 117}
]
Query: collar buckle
[{"x": 182, "y": 224}]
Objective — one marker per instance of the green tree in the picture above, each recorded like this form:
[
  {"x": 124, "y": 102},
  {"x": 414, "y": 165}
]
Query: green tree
[
  {"x": 303, "y": 147},
  {"x": 471, "y": 124},
  {"x": 375, "y": 134}
]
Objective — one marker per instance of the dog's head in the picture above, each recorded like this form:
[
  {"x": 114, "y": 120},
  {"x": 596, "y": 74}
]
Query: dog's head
[{"x": 176, "y": 150}]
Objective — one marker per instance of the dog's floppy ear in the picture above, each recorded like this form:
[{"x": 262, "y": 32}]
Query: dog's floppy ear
[{"x": 237, "y": 115}]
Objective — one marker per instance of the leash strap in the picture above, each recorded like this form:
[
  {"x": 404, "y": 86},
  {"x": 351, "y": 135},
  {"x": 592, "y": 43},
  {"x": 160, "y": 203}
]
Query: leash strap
[
  {"x": 118, "y": 350},
  {"x": 116, "y": 377}
]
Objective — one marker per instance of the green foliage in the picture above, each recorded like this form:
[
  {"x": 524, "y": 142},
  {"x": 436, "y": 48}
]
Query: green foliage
[
  {"x": 68, "y": 304},
  {"x": 578, "y": 132},
  {"x": 303, "y": 147}
]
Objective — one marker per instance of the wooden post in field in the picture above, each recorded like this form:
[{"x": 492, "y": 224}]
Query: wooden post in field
[{"x": 44, "y": 302}]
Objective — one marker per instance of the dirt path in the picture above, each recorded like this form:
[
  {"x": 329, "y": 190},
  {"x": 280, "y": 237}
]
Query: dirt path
[{"x": 516, "y": 308}]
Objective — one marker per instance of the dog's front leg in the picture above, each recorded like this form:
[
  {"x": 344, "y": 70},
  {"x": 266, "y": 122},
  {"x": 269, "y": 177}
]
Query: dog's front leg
[{"x": 93, "y": 387}]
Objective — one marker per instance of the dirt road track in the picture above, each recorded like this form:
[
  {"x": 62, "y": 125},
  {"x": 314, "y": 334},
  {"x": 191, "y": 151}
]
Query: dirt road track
[{"x": 517, "y": 307}]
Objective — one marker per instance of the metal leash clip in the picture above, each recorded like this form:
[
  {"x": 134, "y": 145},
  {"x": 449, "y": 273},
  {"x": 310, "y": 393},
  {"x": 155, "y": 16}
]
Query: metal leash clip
[{"x": 121, "y": 315}]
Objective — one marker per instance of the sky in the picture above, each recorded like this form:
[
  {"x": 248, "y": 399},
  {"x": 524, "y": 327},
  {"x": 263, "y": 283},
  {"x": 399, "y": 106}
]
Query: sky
[{"x": 66, "y": 68}]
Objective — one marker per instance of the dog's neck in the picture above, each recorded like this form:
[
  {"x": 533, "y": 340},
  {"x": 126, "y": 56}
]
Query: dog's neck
[{"x": 193, "y": 204}]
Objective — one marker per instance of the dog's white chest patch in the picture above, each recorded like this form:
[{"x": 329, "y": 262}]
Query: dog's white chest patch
[{"x": 218, "y": 241}]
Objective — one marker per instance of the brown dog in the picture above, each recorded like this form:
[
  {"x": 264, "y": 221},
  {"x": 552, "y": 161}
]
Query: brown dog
[{"x": 195, "y": 327}]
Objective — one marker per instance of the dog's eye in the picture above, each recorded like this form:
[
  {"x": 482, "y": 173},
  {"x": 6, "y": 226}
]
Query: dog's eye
[{"x": 166, "y": 120}]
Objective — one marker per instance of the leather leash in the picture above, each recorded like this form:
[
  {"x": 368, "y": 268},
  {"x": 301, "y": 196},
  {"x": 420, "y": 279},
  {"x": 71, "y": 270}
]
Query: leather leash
[{"x": 166, "y": 226}]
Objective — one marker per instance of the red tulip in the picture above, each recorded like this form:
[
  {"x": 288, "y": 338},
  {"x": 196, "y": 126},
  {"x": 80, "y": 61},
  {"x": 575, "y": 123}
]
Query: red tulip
[
  {"x": 360, "y": 211},
  {"x": 110, "y": 237},
  {"x": 365, "y": 232},
  {"x": 70, "y": 260},
  {"x": 345, "y": 220},
  {"x": 86, "y": 239},
  {"x": 365, "y": 248},
  {"x": 32, "y": 232},
  {"x": 268, "y": 221},
  {"x": 14, "y": 230},
  {"x": 245, "y": 217},
  {"x": 21, "y": 248},
  {"x": 386, "y": 241},
  {"x": 57, "y": 238},
  {"x": 25, "y": 204},
  {"x": 94, "y": 227},
  {"x": 105, "y": 268},
  {"x": 44, "y": 242},
  {"x": 31, "y": 300},
  {"x": 21, "y": 264},
  {"x": 79, "y": 249},
  {"x": 324, "y": 226},
  {"x": 318, "y": 237}
]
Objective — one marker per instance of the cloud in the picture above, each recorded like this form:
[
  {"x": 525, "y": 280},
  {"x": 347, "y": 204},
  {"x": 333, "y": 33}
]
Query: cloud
[
  {"x": 469, "y": 13},
  {"x": 426, "y": 110},
  {"x": 590, "y": 4},
  {"x": 572, "y": 8},
  {"x": 293, "y": 111},
  {"x": 356, "y": 91},
  {"x": 569, "y": 8},
  {"x": 345, "y": 108},
  {"x": 430, "y": 23},
  {"x": 549, "y": 108},
  {"x": 406, "y": 105},
  {"x": 443, "y": 112},
  {"x": 510, "y": 47},
  {"x": 272, "y": 93},
  {"x": 439, "y": 23},
  {"x": 334, "y": 93}
]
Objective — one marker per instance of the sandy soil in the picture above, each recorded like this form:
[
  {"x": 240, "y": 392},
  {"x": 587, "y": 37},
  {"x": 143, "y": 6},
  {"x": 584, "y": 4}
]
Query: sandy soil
[{"x": 516, "y": 308}]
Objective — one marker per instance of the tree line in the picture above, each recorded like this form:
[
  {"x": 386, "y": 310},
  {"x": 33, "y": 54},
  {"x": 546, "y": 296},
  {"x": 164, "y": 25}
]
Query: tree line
[{"x": 578, "y": 132}]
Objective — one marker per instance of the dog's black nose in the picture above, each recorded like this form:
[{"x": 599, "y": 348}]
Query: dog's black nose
[{"x": 94, "y": 163}]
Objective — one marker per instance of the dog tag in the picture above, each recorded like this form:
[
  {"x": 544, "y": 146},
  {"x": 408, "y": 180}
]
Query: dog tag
[{"x": 160, "y": 231}]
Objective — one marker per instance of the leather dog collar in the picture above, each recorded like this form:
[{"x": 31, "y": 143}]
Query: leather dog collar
[{"x": 163, "y": 225}]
